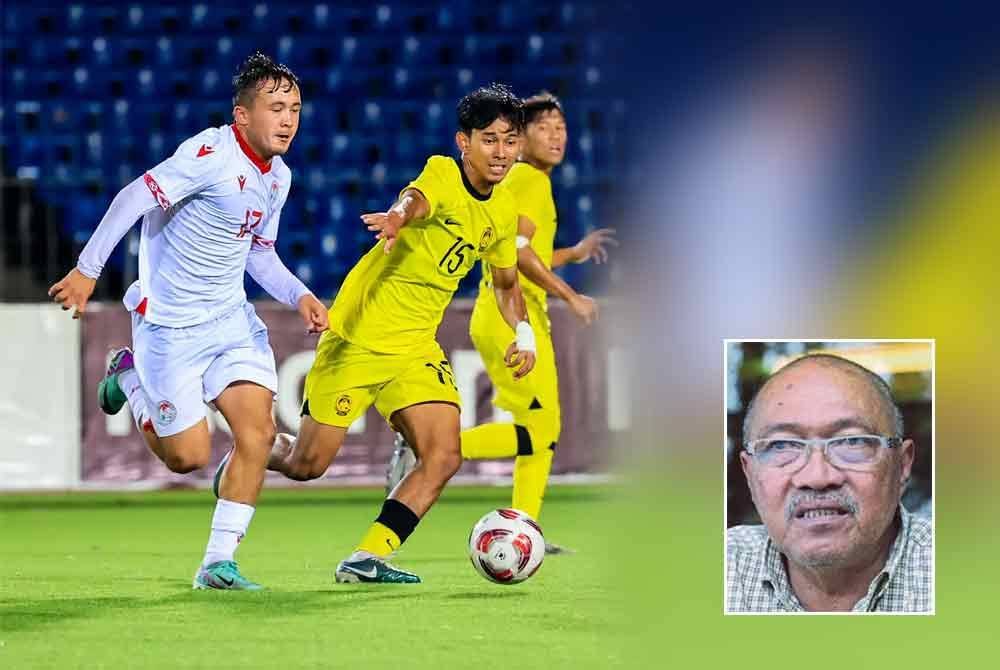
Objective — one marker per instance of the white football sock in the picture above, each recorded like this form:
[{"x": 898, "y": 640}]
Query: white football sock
[
  {"x": 229, "y": 525},
  {"x": 128, "y": 382}
]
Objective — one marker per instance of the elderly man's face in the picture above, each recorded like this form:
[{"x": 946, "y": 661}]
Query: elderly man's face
[{"x": 813, "y": 400}]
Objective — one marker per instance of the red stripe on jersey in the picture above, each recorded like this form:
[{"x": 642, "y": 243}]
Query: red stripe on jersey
[
  {"x": 142, "y": 307},
  {"x": 154, "y": 188},
  {"x": 262, "y": 165},
  {"x": 262, "y": 242}
]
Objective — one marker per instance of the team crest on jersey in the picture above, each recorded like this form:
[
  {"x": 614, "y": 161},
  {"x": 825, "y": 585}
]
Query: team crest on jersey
[
  {"x": 486, "y": 239},
  {"x": 343, "y": 405},
  {"x": 243, "y": 182},
  {"x": 167, "y": 411}
]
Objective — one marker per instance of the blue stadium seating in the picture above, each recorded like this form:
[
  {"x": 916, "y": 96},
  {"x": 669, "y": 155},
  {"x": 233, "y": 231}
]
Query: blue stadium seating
[{"x": 95, "y": 94}]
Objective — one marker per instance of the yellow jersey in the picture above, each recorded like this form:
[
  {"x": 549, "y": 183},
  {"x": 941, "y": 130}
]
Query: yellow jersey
[
  {"x": 532, "y": 191},
  {"x": 393, "y": 303}
]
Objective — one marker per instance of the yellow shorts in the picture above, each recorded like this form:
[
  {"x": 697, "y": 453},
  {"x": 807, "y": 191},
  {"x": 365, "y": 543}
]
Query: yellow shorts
[
  {"x": 534, "y": 397},
  {"x": 345, "y": 379}
]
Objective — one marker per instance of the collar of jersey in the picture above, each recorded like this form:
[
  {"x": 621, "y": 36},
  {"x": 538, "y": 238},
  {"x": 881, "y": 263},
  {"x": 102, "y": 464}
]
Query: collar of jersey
[
  {"x": 263, "y": 166},
  {"x": 468, "y": 185}
]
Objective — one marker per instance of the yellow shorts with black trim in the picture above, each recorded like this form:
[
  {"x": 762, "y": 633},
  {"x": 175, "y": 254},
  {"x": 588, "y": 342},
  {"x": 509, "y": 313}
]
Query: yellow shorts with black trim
[
  {"x": 534, "y": 398},
  {"x": 346, "y": 379}
]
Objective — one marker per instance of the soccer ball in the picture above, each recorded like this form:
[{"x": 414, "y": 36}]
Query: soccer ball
[{"x": 506, "y": 546}]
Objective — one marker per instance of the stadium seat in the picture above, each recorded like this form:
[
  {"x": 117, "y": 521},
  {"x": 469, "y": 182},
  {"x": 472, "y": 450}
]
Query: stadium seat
[{"x": 116, "y": 88}]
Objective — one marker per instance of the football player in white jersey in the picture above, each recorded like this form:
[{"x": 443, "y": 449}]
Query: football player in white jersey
[{"x": 209, "y": 213}]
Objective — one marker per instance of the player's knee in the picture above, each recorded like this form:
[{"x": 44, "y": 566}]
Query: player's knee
[
  {"x": 305, "y": 470},
  {"x": 183, "y": 462},
  {"x": 257, "y": 439},
  {"x": 443, "y": 463}
]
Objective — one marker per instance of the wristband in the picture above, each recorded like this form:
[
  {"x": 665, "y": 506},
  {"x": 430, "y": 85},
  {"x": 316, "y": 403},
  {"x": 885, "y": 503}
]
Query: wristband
[{"x": 524, "y": 337}]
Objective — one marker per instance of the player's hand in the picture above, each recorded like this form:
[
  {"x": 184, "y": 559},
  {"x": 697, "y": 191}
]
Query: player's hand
[
  {"x": 387, "y": 224},
  {"x": 313, "y": 313},
  {"x": 584, "y": 307},
  {"x": 592, "y": 246},
  {"x": 522, "y": 361},
  {"x": 73, "y": 291}
]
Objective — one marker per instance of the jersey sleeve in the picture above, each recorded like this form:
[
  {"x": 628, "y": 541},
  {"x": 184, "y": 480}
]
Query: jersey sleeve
[
  {"x": 193, "y": 167},
  {"x": 433, "y": 183}
]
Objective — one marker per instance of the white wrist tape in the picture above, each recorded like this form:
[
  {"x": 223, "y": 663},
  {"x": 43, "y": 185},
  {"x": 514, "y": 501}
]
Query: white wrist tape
[
  {"x": 524, "y": 337},
  {"x": 522, "y": 241}
]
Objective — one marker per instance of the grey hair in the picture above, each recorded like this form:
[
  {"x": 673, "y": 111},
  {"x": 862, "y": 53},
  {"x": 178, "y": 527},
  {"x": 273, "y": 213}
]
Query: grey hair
[{"x": 875, "y": 382}]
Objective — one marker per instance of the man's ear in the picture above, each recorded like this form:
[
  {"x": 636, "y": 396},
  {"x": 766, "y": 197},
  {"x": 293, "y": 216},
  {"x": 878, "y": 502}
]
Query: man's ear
[
  {"x": 241, "y": 115},
  {"x": 462, "y": 141},
  {"x": 907, "y": 453}
]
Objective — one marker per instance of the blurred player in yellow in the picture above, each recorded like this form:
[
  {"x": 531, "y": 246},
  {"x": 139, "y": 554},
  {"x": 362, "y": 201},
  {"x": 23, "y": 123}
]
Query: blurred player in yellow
[
  {"x": 381, "y": 346},
  {"x": 533, "y": 401}
]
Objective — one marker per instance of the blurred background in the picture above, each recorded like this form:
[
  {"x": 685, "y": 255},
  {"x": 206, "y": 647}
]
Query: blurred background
[
  {"x": 96, "y": 93},
  {"x": 907, "y": 367}
]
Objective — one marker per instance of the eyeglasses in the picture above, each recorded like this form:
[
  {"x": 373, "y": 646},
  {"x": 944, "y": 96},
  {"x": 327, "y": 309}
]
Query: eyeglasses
[{"x": 849, "y": 452}]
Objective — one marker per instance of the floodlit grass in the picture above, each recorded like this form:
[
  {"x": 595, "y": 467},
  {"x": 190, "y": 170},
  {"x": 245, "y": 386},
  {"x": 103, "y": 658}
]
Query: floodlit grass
[{"x": 104, "y": 581}]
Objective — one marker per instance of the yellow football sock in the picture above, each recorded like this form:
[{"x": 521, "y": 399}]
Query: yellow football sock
[
  {"x": 490, "y": 440},
  {"x": 531, "y": 474},
  {"x": 379, "y": 540}
]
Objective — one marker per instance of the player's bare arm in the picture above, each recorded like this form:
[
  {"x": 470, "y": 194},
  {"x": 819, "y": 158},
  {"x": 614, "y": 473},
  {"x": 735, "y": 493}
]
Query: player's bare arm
[
  {"x": 521, "y": 353},
  {"x": 532, "y": 267},
  {"x": 411, "y": 205},
  {"x": 591, "y": 248}
]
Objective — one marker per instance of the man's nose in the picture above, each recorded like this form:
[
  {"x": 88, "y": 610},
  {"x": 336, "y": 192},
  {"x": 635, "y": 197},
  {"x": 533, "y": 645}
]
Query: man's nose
[{"x": 817, "y": 472}]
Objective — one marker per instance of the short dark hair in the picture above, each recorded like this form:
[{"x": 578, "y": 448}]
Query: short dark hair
[
  {"x": 540, "y": 103},
  {"x": 487, "y": 104},
  {"x": 255, "y": 72}
]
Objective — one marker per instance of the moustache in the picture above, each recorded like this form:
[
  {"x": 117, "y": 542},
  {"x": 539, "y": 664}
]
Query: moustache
[{"x": 835, "y": 499}]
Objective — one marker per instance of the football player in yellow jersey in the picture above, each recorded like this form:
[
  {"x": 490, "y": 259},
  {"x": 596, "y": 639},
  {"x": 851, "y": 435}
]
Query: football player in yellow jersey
[
  {"x": 533, "y": 401},
  {"x": 381, "y": 346}
]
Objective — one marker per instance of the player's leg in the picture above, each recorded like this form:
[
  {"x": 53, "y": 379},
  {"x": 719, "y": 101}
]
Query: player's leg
[
  {"x": 120, "y": 385},
  {"x": 432, "y": 428},
  {"x": 491, "y": 336},
  {"x": 421, "y": 403},
  {"x": 240, "y": 380},
  {"x": 538, "y": 426},
  {"x": 309, "y": 454}
]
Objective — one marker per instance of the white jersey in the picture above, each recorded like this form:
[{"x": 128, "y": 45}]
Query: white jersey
[{"x": 217, "y": 198}]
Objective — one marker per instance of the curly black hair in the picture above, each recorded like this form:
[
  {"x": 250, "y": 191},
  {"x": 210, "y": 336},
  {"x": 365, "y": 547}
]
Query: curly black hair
[
  {"x": 540, "y": 103},
  {"x": 487, "y": 104},
  {"x": 254, "y": 74}
]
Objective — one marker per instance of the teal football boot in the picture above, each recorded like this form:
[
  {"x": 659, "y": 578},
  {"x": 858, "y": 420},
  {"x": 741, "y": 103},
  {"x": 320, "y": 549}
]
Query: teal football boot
[
  {"x": 223, "y": 575},
  {"x": 367, "y": 568}
]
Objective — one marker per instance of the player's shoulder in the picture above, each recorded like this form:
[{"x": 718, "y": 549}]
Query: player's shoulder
[
  {"x": 281, "y": 171},
  {"x": 444, "y": 167},
  {"x": 525, "y": 176},
  {"x": 212, "y": 146}
]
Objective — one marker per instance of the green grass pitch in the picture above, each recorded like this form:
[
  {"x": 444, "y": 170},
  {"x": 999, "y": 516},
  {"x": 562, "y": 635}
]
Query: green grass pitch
[{"x": 104, "y": 581}]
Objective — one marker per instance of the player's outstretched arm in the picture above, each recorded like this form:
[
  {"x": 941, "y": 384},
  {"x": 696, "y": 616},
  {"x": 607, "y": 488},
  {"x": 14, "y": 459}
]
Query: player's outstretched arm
[
  {"x": 521, "y": 353},
  {"x": 591, "y": 247},
  {"x": 75, "y": 289},
  {"x": 411, "y": 205},
  {"x": 266, "y": 268},
  {"x": 532, "y": 267}
]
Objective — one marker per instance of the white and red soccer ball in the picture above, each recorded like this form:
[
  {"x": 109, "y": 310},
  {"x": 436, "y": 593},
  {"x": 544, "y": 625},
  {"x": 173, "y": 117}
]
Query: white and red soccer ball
[{"x": 506, "y": 546}]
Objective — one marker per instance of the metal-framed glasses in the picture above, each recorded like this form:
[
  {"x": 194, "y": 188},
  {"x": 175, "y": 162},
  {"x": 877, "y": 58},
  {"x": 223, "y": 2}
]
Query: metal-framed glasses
[{"x": 850, "y": 452}]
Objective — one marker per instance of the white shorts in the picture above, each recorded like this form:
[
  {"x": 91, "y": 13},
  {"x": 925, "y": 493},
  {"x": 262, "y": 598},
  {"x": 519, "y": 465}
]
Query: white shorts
[{"x": 181, "y": 369}]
